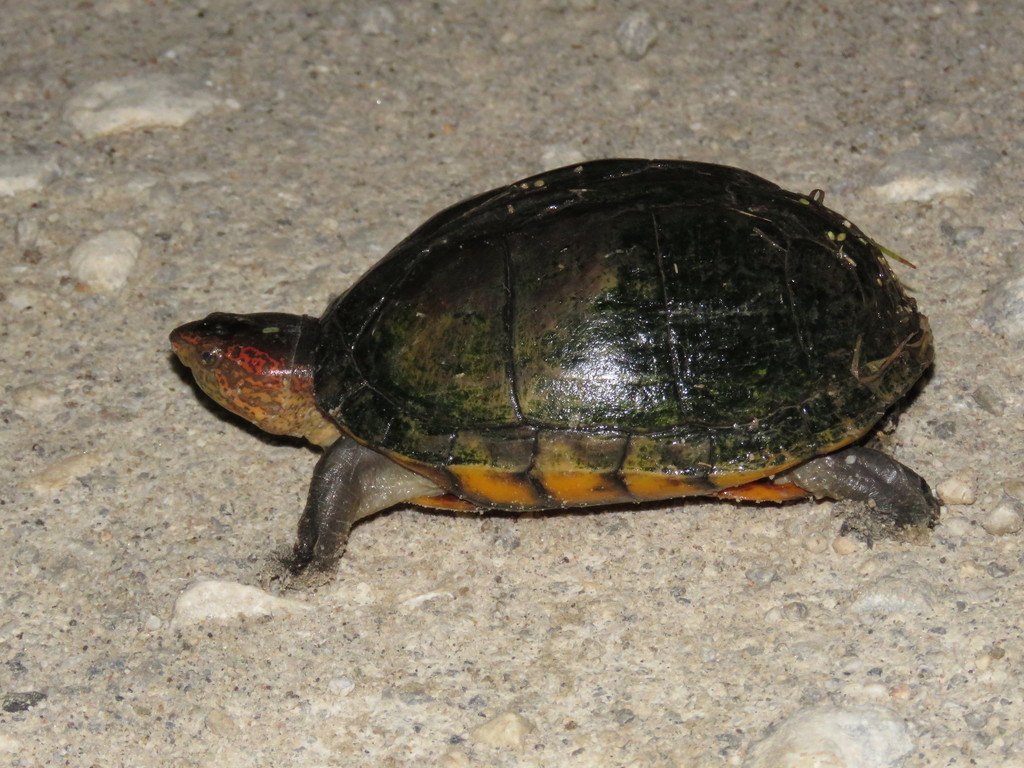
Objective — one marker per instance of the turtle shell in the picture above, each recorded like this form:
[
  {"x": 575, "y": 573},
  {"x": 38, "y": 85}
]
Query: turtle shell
[{"x": 620, "y": 330}]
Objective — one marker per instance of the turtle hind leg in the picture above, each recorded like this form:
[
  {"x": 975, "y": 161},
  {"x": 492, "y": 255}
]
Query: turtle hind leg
[
  {"x": 903, "y": 504},
  {"x": 350, "y": 482}
]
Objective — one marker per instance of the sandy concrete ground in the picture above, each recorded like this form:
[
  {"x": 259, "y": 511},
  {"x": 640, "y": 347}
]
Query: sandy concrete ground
[{"x": 313, "y": 135}]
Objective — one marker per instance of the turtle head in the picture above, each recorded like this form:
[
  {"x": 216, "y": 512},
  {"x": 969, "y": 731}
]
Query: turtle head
[{"x": 259, "y": 367}]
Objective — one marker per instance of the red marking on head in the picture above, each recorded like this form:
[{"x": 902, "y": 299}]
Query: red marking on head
[
  {"x": 259, "y": 367},
  {"x": 259, "y": 362}
]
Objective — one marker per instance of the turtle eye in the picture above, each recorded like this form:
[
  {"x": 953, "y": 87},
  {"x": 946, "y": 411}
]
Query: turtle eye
[{"x": 209, "y": 357}]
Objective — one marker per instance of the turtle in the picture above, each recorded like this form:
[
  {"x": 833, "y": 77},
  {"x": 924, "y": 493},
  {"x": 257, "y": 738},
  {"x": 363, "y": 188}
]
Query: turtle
[{"x": 620, "y": 330}]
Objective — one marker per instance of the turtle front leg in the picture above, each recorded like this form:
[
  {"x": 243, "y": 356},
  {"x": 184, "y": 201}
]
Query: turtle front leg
[
  {"x": 903, "y": 502},
  {"x": 350, "y": 482}
]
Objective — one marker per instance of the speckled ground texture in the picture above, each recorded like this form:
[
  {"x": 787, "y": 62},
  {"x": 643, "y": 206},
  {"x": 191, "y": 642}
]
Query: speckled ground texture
[{"x": 669, "y": 635}]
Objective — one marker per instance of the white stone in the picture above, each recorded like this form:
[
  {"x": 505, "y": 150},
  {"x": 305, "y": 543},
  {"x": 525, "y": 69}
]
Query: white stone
[
  {"x": 1003, "y": 308},
  {"x": 455, "y": 758},
  {"x": 26, "y": 233},
  {"x": 103, "y": 262},
  {"x": 958, "y": 489},
  {"x": 942, "y": 169},
  {"x": 508, "y": 729},
  {"x": 226, "y": 600},
  {"x": 557, "y": 155},
  {"x": 835, "y": 737},
  {"x": 903, "y": 592},
  {"x": 847, "y": 545},
  {"x": 955, "y": 525},
  {"x": 62, "y": 473},
  {"x": 20, "y": 297},
  {"x": 1014, "y": 488},
  {"x": 134, "y": 102},
  {"x": 815, "y": 543},
  {"x": 36, "y": 397},
  {"x": 107, "y": 8},
  {"x": 1002, "y": 520},
  {"x": 636, "y": 34},
  {"x": 418, "y": 600},
  {"x": 221, "y": 723},
  {"x": 340, "y": 686},
  {"x": 378, "y": 20},
  {"x": 360, "y": 594},
  {"x": 21, "y": 173}
]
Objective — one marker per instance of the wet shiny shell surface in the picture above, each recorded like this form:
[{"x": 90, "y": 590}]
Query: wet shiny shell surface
[{"x": 619, "y": 330}]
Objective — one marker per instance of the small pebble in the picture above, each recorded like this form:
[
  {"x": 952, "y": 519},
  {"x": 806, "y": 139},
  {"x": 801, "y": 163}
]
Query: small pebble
[
  {"x": 836, "y": 737},
  {"x": 134, "y": 102},
  {"x": 861, "y": 691},
  {"x": 901, "y": 692},
  {"x": 815, "y": 543},
  {"x": 623, "y": 716},
  {"x": 896, "y": 593},
  {"x": 35, "y": 397},
  {"x": 989, "y": 399},
  {"x": 1003, "y": 309},
  {"x": 762, "y": 577},
  {"x": 360, "y": 594},
  {"x": 958, "y": 489},
  {"x": 795, "y": 611},
  {"x": 969, "y": 569},
  {"x": 557, "y": 155},
  {"x": 22, "y": 173},
  {"x": 22, "y": 298},
  {"x": 26, "y": 233},
  {"x": 503, "y": 532},
  {"x": 103, "y": 262},
  {"x": 340, "y": 686},
  {"x": 932, "y": 171},
  {"x": 1003, "y": 520},
  {"x": 21, "y": 701},
  {"x": 26, "y": 555},
  {"x": 1014, "y": 489},
  {"x": 415, "y": 602},
  {"x": 960, "y": 236},
  {"x": 225, "y": 600},
  {"x": 508, "y": 729},
  {"x": 955, "y": 525},
  {"x": 378, "y": 20},
  {"x": 847, "y": 545},
  {"x": 221, "y": 723},
  {"x": 9, "y": 744},
  {"x": 455, "y": 758},
  {"x": 976, "y": 720},
  {"x": 413, "y": 694},
  {"x": 984, "y": 659},
  {"x": 636, "y": 34},
  {"x": 64, "y": 472},
  {"x": 998, "y": 570}
]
